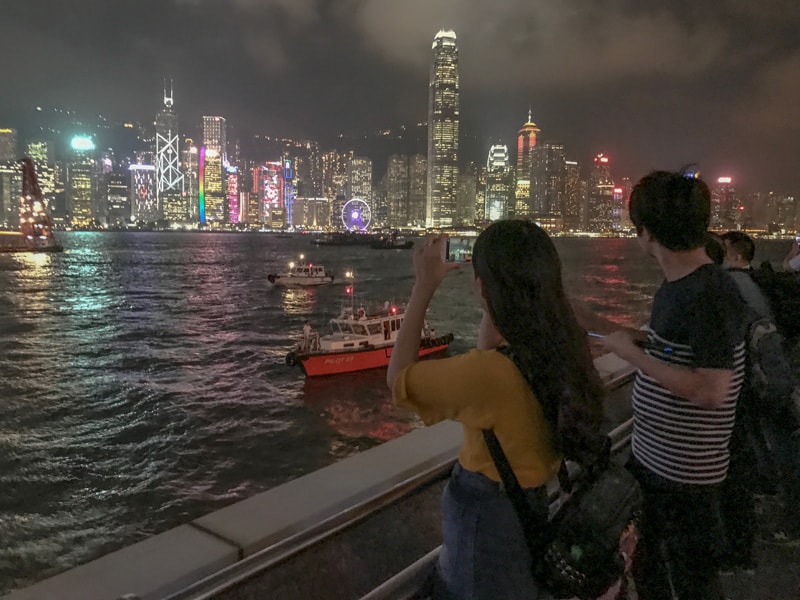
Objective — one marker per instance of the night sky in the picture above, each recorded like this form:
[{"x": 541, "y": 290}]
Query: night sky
[{"x": 651, "y": 85}]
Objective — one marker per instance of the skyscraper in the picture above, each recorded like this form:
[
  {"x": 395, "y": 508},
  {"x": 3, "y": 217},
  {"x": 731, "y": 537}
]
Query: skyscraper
[
  {"x": 498, "y": 183},
  {"x": 601, "y": 195},
  {"x": 81, "y": 181},
  {"x": 360, "y": 179},
  {"x": 526, "y": 142},
  {"x": 443, "y": 117},
  {"x": 171, "y": 199},
  {"x": 213, "y": 157},
  {"x": 548, "y": 184},
  {"x": 143, "y": 195}
]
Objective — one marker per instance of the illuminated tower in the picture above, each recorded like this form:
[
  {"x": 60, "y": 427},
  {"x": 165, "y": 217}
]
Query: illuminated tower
[
  {"x": 526, "y": 142},
  {"x": 169, "y": 191},
  {"x": 81, "y": 181},
  {"x": 574, "y": 196},
  {"x": 443, "y": 115},
  {"x": 498, "y": 182},
  {"x": 601, "y": 195},
  {"x": 725, "y": 213},
  {"x": 212, "y": 160},
  {"x": 360, "y": 179},
  {"x": 548, "y": 185},
  {"x": 143, "y": 194},
  {"x": 189, "y": 166}
]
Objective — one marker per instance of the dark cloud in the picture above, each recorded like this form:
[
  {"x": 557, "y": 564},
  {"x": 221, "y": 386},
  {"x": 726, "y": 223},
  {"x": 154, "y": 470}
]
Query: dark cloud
[{"x": 655, "y": 85}]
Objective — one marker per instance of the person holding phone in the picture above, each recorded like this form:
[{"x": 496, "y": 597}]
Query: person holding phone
[{"x": 548, "y": 406}]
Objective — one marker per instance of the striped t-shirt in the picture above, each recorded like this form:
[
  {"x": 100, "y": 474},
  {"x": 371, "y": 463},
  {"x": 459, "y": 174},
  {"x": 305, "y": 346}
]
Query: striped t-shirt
[{"x": 697, "y": 322}]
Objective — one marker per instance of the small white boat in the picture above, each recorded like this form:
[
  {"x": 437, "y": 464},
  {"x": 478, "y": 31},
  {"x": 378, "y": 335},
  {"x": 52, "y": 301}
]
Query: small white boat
[{"x": 302, "y": 276}]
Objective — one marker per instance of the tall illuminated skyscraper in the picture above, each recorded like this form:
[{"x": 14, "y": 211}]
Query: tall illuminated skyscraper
[
  {"x": 360, "y": 179},
  {"x": 548, "y": 185},
  {"x": 601, "y": 195},
  {"x": 171, "y": 200},
  {"x": 498, "y": 183},
  {"x": 143, "y": 194},
  {"x": 212, "y": 184},
  {"x": 526, "y": 142},
  {"x": 81, "y": 181},
  {"x": 443, "y": 118}
]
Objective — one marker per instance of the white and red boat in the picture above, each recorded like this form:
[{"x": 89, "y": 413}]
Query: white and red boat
[
  {"x": 359, "y": 340},
  {"x": 306, "y": 275}
]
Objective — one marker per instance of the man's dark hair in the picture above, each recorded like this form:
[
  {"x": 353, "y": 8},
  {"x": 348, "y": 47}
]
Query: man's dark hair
[
  {"x": 742, "y": 243},
  {"x": 715, "y": 249},
  {"x": 674, "y": 208}
]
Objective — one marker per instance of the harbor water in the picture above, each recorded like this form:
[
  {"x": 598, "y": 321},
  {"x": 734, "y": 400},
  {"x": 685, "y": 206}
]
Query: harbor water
[{"x": 143, "y": 382}]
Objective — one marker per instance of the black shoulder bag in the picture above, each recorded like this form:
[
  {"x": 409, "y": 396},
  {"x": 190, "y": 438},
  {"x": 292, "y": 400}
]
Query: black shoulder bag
[{"x": 577, "y": 553}]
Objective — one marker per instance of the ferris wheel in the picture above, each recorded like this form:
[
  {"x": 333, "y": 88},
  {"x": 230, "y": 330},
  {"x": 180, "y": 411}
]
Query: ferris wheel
[{"x": 356, "y": 215}]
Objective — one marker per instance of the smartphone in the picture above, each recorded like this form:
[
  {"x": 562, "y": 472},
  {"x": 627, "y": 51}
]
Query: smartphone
[
  {"x": 797, "y": 237},
  {"x": 447, "y": 256}
]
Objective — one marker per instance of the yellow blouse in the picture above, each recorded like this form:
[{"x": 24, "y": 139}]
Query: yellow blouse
[{"x": 483, "y": 389}]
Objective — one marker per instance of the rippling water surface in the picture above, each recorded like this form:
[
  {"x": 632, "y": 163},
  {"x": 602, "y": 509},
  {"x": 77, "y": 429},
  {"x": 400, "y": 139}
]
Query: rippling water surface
[{"x": 143, "y": 384}]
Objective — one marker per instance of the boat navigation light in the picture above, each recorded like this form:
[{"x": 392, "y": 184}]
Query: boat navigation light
[
  {"x": 348, "y": 274},
  {"x": 302, "y": 256},
  {"x": 348, "y": 290},
  {"x": 394, "y": 310},
  {"x": 291, "y": 265}
]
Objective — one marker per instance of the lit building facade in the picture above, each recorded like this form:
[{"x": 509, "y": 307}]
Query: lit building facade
[
  {"x": 443, "y": 122},
  {"x": 211, "y": 195},
  {"x": 269, "y": 186},
  {"x": 574, "y": 196},
  {"x": 143, "y": 194},
  {"x": 190, "y": 157},
  {"x": 81, "y": 182},
  {"x": 118, "y": 200},
  {"x": 396, "y": 185},
  {"x": 548, "y": 184},
  {"x": 232, "y": 192},
  {"x": 526, "y": 142},
  {"x": 311, "y": 213},
  {"x": 359, "y": 180},
  {"x": 8, "y": 144},
  {"x": 467, "y": 196},
  {"x": 498, "y": 183},
  {"x": 601, "y": 195},
  {"x": 335, "y": 169},
  {"x": 171, "y": 198},
  {"x": 725, "y": 213}
]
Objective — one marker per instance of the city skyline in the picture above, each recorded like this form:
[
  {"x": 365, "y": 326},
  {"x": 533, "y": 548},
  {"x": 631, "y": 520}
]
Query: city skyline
[{"x": 651, "y": 86}]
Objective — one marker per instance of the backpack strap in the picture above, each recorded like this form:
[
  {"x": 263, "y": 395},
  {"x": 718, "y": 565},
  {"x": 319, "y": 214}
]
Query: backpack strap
[{"x": 536, "y": 533}]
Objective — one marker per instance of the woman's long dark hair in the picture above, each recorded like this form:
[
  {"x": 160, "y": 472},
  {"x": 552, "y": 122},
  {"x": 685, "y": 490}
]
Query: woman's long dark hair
[{"x": 521, "y": 274}]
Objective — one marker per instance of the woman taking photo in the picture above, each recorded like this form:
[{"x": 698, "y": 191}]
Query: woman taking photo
[{"x": 543, "y": 404}]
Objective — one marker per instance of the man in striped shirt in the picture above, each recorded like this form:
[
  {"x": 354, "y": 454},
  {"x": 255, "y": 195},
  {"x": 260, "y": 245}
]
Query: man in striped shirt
[{"x": 685, "y": 392}]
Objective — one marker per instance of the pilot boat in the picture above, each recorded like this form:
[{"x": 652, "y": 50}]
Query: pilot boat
[{"x": 359, "y": 340}]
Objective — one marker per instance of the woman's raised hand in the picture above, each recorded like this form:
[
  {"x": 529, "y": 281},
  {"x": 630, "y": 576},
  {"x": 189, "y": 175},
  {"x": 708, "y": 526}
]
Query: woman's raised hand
[{"x": 430, "y": 264}]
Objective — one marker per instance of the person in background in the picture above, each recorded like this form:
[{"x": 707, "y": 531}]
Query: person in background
[
  {"x": 548, "y": 406},
  {"x": 685, "y": 391},
  {"x": 792, "y": 260},
  {"x": 740, "y": 250}
]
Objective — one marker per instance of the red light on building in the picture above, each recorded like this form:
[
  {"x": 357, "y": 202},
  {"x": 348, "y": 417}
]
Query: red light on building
[
  {"x": 724, "y": 180},
  {"x": 348, "y": 290}
]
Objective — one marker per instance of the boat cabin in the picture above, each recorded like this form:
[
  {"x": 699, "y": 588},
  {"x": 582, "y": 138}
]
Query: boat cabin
[{"x": 308, "y": 271}]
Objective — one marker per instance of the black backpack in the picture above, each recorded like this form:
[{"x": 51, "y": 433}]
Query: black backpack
[
  {"x": 782, "y": 291},
  {"x": 769, "y": 379},
  {"x": 578, "y": 552}
]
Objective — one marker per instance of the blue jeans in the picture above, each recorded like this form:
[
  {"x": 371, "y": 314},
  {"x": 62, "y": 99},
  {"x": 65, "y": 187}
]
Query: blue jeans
[{"x": 484, "y": 554}]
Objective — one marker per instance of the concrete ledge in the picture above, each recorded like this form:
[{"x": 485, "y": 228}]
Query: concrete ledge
[
  {"x": 265, "y": 519},
  {"x": 151, "y": 569}
]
